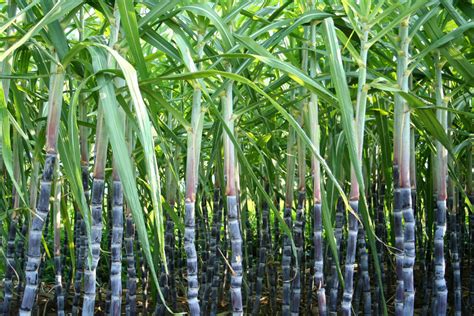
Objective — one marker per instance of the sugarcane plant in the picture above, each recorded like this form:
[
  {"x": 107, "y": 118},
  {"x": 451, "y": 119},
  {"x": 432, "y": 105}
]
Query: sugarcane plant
[
  {"x": 227, "y": 104},
  {"x": 43, "y": 206}
]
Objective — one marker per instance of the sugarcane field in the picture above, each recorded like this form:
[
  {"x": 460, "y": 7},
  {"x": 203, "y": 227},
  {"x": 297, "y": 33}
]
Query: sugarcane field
[{"x": 236, "y": 157}]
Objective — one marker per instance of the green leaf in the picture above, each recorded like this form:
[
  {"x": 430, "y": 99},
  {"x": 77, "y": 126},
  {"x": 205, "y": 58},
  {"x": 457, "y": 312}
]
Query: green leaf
[
  {"x": 57, "y": 12},
  {"x": 427, "y": 117},
  {"x": 128, "y": 20},
  {"x": 294, "y": 73},
  {"x": 18, "y": 16},
  {"x": 204, "y": 10},
  {"x": 445, "y": 39},
  {"x": 5, "y": 144}
]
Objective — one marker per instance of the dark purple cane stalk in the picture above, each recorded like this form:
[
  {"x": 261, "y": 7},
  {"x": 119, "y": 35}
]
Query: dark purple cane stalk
[
  {"x": 334, "y": 284},
  {"x": 215, "y": 255},
  {"x": 131, "y": 298},
  {"x": 42, "y": 210},
  {"x": 381, "y": 232},
  {"x": 97, "y": 200},
  {"x": 6, "y": 68},
  {"x": 10, "y": 253},
  {"x": 144, "y": 277},
  {"x": 405, "y": 237},
  {"x": 20, "y": 253},
  {"x": 315, "y": 134},
  {"x": 203, "y": 241},
  {"x": 470, "y": 194},
  {"x": 471, "y": 263},
  {"x": 442, "y": 173},
  {"x": 33, "y": 193},
  {"x": 262, "y": 256},
  {"x": 169, "y": 281},
  {"x": 248, "y": 251},
  {"x": 57, "y": 246},
  {"x": 233, "y": 216},
  {"x": 80, "y": 238},
  {"x": 97, "y": 197},
  {"x": 398, "y": 229},
  {"x": 455, "y": 260},
  {"x": 298, "y": 233},
  {"x": 191, "y": 182},
  {"x": 213, "y": 243},
  {"x": 350, "y": 259},
  {"x": 405, "y": 182},
  {"x": 273, "y": 268},
  {"x": 210, "y": 263},
  {"x": 116, "y": 246},
  {"x": 286, "y": 255},
  {"x": 10, "y": 260},
  {"x": 299, "y": 242},
  {"x": 364, "y": 270}
]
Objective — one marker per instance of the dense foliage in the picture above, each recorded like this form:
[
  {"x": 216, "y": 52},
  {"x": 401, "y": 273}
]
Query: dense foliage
[{"x": 257, "y": 157}]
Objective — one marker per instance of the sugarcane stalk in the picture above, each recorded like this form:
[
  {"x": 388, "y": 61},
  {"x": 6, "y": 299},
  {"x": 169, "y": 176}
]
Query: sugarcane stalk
[
  {"x": 247, "y": 240},
  {"x": 405, "y": 183},
  {"x": 454, "y": 236},
  {"x": 131, "y": 297},
  {"x": 470, "y": 193},
  {"x": 210, "y": 268},
  {"x": 97, "y": 200},
  {"x": 262, "y": 256},
  {"x": 315, "y": 135},
  {"x": 116, "y": 245},
  {"x": 286, "y": 255},
  {"x": 215, "y": 256},
  {"x": 354, "y": 195},
  {"x": 80, "y": 238},
  {"x": 192, "y": 164},
  {"x": 404, "y": 297},
  {"x": 298, "y": 234},
  {"x": 233, "y": 216},
  {"x": 364, "y": 269},
  {"x": 275, "y": 247},
  {"x": 98, "y": 190},
  {"x": 12, "y": 230},
  {"x": 454, "y": 249},
  {"x": 33, "y": 194},
  {"x": 442, "y": 173},
  {"x": 203, "y": 251},
  {"x": 169, "y": 280},
  {"x": 5, "y": 68},
  {"x": 57, "y": 245},
  {"x": 381, "y": 232},
  {"x": 334, "y": 285},
  {"x": 144, "y": 277},
  {"x": 42, "y": 210}
]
